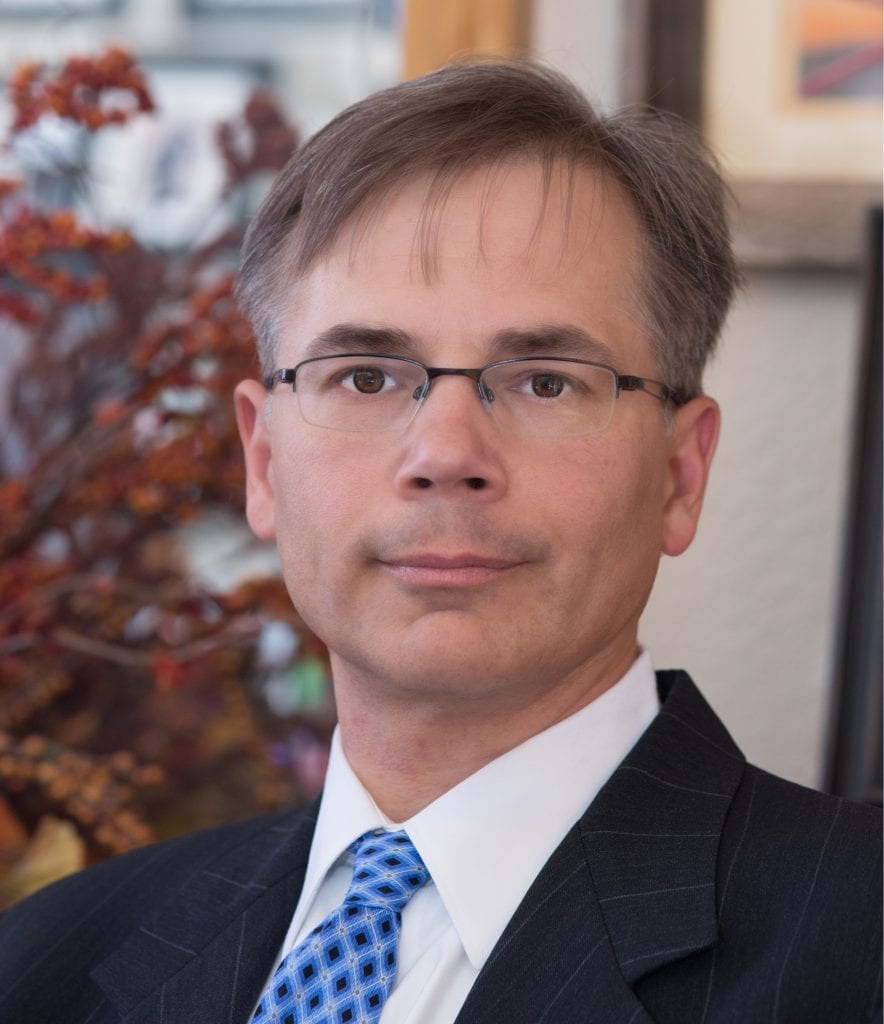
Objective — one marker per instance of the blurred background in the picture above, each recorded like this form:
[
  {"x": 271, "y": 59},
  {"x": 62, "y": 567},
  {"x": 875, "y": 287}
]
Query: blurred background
[{"x": 153, "y": 676}]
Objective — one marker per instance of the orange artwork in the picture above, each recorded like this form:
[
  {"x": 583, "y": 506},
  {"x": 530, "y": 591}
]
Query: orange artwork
[{"x": 840, "y": 49}]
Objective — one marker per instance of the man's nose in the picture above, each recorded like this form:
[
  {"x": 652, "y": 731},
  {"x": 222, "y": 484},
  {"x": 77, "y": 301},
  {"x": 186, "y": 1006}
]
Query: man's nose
[{"x": 452, "y": 445}]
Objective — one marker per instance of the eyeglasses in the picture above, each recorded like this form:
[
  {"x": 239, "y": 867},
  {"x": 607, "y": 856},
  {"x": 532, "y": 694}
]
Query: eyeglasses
[{"x": 556, "y": 397}]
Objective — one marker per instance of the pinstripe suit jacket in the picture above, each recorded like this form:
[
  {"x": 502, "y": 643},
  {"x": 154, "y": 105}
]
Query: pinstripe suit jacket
[{"x": 695, "y": 888}]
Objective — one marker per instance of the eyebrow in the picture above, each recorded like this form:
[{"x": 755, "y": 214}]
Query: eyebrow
[
  {"x": 510, "y": 343},
  {"x": 361, "y": 338},
  {"x": 550, "y": 340}
]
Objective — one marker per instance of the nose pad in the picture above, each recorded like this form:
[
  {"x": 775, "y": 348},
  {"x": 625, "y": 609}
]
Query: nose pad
[
  {"x": 450, "y": 448},
  {"x": 420, "y": 393}
]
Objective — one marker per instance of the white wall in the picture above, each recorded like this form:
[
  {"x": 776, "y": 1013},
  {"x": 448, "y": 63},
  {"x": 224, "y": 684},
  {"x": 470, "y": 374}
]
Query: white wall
[
  {"x": 588, "y": 39},
  {"x": 750, "y": 608}
]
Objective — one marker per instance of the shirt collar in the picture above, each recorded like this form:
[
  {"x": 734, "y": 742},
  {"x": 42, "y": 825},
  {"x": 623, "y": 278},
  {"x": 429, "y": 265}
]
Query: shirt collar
[
  {"x": 486, "y": 840},
  {"x": 346, "y": 812}
]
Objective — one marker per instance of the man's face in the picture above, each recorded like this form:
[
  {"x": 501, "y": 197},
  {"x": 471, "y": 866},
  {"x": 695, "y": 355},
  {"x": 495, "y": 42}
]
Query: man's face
[{"x": 452, "y": 559}]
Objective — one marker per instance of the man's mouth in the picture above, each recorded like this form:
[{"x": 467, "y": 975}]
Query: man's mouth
[{"x": 432, "y": 568}]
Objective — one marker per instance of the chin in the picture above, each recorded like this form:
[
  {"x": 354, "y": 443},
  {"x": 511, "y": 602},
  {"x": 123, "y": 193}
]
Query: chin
[{"x": 449, "y": 666}]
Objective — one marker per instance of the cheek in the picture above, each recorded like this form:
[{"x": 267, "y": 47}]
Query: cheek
[
  {"x": 321, "y": 489},
  {"x": 608, "y": 513}
]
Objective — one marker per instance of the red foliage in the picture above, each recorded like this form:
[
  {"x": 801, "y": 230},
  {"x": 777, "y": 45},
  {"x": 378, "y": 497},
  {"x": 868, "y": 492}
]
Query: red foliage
[
  {"x": 131, "y": 697},
  {"x": 80, "y": 91},
  {"x": 32, "y": 243}
]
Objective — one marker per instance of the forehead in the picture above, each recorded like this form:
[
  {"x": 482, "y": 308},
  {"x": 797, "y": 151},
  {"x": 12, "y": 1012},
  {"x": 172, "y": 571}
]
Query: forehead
[{"x": 510, "y": 247}]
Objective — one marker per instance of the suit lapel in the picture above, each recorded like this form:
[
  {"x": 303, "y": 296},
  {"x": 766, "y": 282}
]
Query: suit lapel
[
  {"x": 652, "y": 834},
  {"x": 205, "y": 955},
  {"x": 632, "y": 886}
]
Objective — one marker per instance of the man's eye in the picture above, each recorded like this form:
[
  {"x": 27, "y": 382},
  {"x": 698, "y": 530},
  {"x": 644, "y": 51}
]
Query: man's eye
[
  {"x": 367, "y": 380},
  {"x": 548, "y": 385}
]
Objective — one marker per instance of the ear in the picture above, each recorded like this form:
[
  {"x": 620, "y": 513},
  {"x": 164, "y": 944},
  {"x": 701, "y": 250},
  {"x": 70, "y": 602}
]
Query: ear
[
  {"x": 694, "y": 437},
  {"x": 249, "y": 400}
]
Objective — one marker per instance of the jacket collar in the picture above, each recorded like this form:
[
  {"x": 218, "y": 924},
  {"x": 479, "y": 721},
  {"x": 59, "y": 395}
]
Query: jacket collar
[{"x": 632, "y": 887}]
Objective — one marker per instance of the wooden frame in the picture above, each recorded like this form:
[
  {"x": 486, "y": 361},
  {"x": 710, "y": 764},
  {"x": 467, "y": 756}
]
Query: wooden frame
[{"x": 435, "y": 32}]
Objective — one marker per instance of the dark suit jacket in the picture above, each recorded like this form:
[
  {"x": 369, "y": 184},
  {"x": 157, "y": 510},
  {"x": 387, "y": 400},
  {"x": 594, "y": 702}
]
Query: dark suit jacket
[{"x": 695, "y": 888}]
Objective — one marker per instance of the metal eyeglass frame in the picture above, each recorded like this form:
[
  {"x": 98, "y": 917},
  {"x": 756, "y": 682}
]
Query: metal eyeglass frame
[{"x": 623, "y": 381}]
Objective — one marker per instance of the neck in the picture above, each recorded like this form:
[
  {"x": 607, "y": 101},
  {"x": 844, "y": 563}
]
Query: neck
[{"x": 408, "y": 748}]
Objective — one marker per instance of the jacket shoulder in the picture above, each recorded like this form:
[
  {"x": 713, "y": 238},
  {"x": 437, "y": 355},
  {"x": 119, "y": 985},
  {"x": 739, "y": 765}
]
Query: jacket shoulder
[
  {"x": 75, "y": 922},
  {"x": 775, "y": 816},
  {"x": 799, "y": 878}
]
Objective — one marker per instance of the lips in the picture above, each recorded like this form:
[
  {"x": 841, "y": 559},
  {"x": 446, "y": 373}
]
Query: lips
[
  {"x": 447, "y": 570},
  {"x": 467, "y": 560}
]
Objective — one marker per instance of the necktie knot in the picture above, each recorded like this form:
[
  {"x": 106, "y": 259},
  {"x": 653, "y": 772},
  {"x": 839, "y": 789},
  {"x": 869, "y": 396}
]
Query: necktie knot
[
  {"x": 342, "y": 972},
  {"x": 387, "y": 871}
]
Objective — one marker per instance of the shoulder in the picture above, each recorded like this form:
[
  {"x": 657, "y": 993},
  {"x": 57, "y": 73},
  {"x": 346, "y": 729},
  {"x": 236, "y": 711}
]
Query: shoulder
[
  {"x": 88, "y": 914},
  {"x": 797, "y": 878},
  {"x": 810, "y": 806},
  {"x": 766, "y": 814},
  {"x": 805, "y": 842},
  {"x": 154, "y": 869},
  {"x": 799, "y": 885}
]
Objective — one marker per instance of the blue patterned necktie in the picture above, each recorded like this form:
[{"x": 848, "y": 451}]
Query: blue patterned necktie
[{"x": 343, "y": 971}]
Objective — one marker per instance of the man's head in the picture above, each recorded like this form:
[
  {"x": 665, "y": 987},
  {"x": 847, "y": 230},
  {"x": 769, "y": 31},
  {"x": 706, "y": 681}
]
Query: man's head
[
  {"x": 475, "y": 114},
  {"x": 456, "y": 555}
]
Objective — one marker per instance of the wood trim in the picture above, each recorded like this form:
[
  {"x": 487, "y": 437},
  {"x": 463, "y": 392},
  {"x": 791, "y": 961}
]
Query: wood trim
[
  {"x": 802, "y": 224},
  {"x": 436, "y": 32}
]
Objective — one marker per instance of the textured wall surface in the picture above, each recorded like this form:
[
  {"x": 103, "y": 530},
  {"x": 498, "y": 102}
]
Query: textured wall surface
[{"x": 750, "y": 608}]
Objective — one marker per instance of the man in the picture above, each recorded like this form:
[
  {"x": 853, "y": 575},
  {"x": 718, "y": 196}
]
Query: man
[{"x": 483, "y": 313}]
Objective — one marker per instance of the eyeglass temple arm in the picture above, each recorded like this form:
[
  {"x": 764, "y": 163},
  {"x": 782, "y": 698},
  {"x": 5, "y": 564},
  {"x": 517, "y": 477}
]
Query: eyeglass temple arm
[
  {"x": 282, "y": 376},
  {"x": 629, "y": 382}
]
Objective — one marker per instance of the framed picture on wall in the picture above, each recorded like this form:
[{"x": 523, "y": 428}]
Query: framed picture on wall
[
  {"x": 802, "y": 149},
  {"x": 792, "y": 88}
]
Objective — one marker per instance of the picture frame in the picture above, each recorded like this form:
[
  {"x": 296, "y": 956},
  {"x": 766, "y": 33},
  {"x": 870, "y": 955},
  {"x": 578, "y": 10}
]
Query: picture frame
[{"x": 805, "y": 215}]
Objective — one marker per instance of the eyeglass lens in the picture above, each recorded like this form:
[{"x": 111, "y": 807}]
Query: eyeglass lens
[{"x": 534, "y": 397}]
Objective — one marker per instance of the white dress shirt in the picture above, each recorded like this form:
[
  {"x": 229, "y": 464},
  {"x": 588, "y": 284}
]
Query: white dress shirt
[{"x": 483, "y": 842}]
